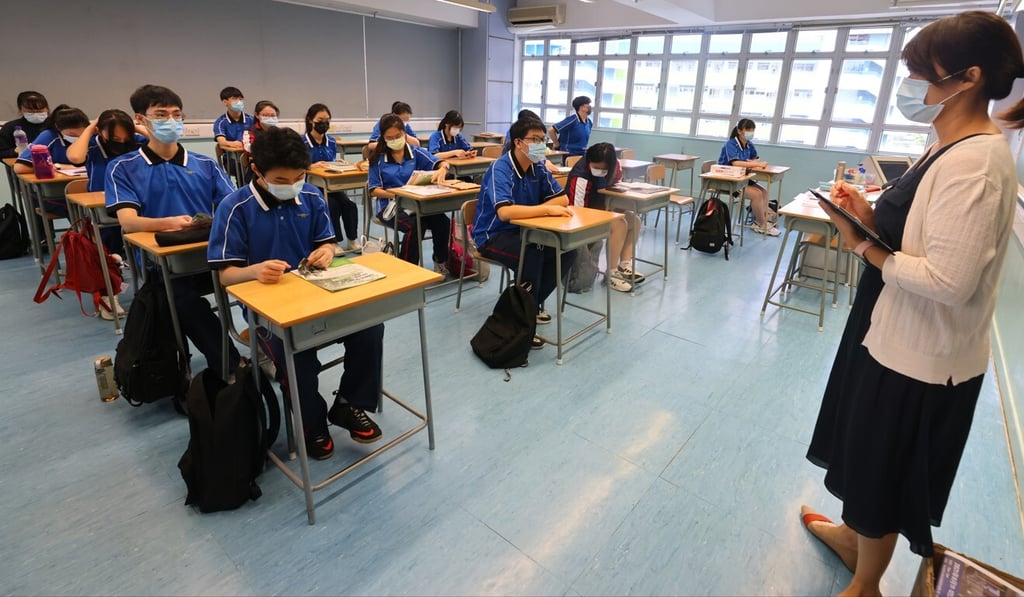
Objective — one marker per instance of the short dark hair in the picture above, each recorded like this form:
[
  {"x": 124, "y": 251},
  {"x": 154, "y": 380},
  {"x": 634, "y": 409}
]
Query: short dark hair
[
  {"x": 603, "y": 153},
  {"x": 279, "y": 147},
  {"x": 313, "y": 111},
  {"x": 70, "y": 118},
  {"x": 154, "y": 96},
  {"x": 527, "y": 114},
  {"x": 230, "y": 92},
  {"x": 578, "y": 101},
  {"x": 401, "y": 108},
  {"x": 386, "y": 122},
  {"x": 452, "y": 117},
  {"x": 33, "y": 100},
  {"x": 111, "y": 119},
  {"x": 520, "y": 128}
]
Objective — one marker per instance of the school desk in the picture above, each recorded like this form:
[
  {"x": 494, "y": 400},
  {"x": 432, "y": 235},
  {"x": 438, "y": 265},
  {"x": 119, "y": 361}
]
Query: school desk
[
  {"x": 732, "y": 186},
  {"x": 329, "y": 181},
  {"x": 676, "y": 162},
  {"x": 770, "y": 174},
  {"x": 640, "y": 204},
  {"x": 428, "y": 205},
  {"x": 33, "y": 194},
  {"x": 469, "y": 166}
]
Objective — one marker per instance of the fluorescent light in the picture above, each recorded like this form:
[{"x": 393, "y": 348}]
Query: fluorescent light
[
  {"x": 1019, "y": 7},
  {"x": 474, "y": 4}
]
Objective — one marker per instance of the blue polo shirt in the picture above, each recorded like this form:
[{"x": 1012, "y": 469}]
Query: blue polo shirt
[
  {"x": 54, "y": 142},
  {"x": 732, "y": 151},
  {"x": 438, "y": 143},
  {"x": 375, "y": 134},
  {"x": 321, "y": 152},
  {"x": 505, "y": 183},
  {"x": 252, "y": 226},
  {"x": 96, "y": 160},
  {"x": 185, "y": 185},
  {"x": 230, "y": 129},
  {"x": 386, "y": 173},
  {"x": 574, "y": 134}
]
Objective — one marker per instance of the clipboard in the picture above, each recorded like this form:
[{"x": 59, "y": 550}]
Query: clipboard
[{"x": 864, "y": 230}]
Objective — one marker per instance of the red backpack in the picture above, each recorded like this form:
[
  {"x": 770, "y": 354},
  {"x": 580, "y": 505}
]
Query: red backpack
[{"x": 82, "y": 267}]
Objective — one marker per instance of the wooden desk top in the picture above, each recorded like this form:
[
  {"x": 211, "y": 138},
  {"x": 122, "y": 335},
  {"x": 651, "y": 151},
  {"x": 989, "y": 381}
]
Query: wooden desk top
[
  {"x": 677, "y": 157},
  {"x": 352, "y": 142},
  {"x": 89, "y": 200},
  {"x": 483, "y": 144},
  {"x": 636, "y": 196},
  {"x": 328, "y": 174},
  {"x": 293, "y": 300},
  {"x": 804, "y": 209},
  {"x": 402, "y": 192},
  {"x": 487, "y": 135},
  {"x": 147, "y": 242},
  {"x": 9, "y": 162},
  {"x": 770, "y": 170},
  {"x": 631, "y": 163},
  {"x": 59, "y": 178},
  {"x": 582, "y": 218},
  {"x": 477, "y": 161},
  {"x": 714, "y": 176},
  {"x": 555, "y": 152}
]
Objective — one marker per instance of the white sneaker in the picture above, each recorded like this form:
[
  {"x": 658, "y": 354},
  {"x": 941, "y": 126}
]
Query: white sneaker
[
  {"x": 617, "y": 283},
  {"x": 105, "y": 314},
  {"x": 353, "y": 246},
  {"x": 626, "y": 269},
  {"x": 441, "y": 268},
  {"x": 338, "y": 250},
  {"x": 767, "y": 230}
]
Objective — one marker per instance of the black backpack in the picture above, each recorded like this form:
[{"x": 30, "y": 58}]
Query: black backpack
[
  {"x": 504, "y": 340},
  {"x": 14, "y": 238},
  {"x": 231, "y": 427},
  {"x": 148, "y": 364},
  {"x": 712, "y": 229}
]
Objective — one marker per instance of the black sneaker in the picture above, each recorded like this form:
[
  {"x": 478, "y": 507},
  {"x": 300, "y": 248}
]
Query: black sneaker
[
  {"x": 359, "y": 426},
  {"x": 543, "y": 318},
  {"x": 536, "y": 343},
  {"x": 320, "y": 446}
]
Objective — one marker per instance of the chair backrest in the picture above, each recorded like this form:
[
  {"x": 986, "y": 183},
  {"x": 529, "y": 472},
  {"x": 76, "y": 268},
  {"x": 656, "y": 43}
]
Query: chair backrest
[
  {"x": 76, "y": 186},
  {"x": 628, "y": 154},
  {"x": 705, "y": 167},
  {"x": 571, "y": 160},
  {"x": 492, "y": 151},
  {"x": 656, "y": 173},
  {"x": 468, "y": 211}
]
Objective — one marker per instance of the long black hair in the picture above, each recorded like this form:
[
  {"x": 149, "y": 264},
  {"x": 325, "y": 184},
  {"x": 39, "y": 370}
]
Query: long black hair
[
  {"x": 745, "y": 124},
  {"x": 312, "y": 112},
  {"x": 453, "y": 117},
  {"x": 107, "y": 123},
  {"x": 603, "y": 153},
  {"x": 387, "y": 122}
]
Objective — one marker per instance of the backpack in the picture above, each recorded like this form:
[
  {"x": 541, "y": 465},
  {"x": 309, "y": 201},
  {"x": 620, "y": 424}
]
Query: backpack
[
  {"x": 504, "y": 340},
  {"x": 584, "y": 268},
  {"x": 14, "y": 238},
  {"x": 148, "y": 365},
  {"x": 231, "y": 427},
  {"x": 480, "y": 270},
  {"x": 712, "y": 230},
  {"x": 83, "y": 271}
]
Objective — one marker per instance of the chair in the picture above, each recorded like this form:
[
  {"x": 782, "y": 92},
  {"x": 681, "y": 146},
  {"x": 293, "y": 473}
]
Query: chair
[
  {"x": 656, "y": 175},
  {"x": 468, "y": 215},
  {"x": 628, "y": 154},
  {"x": 492, "y": 151},
  {"x": 734, "y": 199},
  {"x": 571, "y": 160}
]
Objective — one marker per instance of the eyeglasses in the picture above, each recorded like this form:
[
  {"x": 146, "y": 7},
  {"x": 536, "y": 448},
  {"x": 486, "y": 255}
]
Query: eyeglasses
[
  {"x": 534, "y": 139},
  {"x": 162, "y": 115}
]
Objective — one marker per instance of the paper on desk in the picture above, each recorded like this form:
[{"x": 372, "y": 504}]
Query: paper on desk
[
  {"x": 342, "y": 274},
  {"x": 426, "y": 190},
  {"x": 340, "y": 166},
  {"x": 70, "y": 170},
  {"x": 640, "y": 188}
]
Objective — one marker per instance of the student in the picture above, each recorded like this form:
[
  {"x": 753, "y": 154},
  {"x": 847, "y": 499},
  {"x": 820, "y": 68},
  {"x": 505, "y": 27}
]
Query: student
[
  {"x": 447, "y": 141},
  {"x": 598, "y": 169},
  {"x": 228, "y": 128},
  {"x": 66, "y": 125},
  {"x": 160, "y": 186},
  {"x": 739, "y": 150},
  {"x": 518, "y": 185},
  {"x": 281, "y": 205},
  {"x": 523, "y": 114},
  {"x": 265, "y": 115},
  {"x": 572, "y": 134},
  {"x": 392, "y": 162},
  {"x": 34, "y": 111},
  {"x": 322, "y": 149},
  {"x": 404, "y": 111}
]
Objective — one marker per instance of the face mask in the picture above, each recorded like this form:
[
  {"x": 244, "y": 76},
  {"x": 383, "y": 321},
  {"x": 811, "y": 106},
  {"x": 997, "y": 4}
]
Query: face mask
[
  {"x": 268, "y": 121},
  {"x": 167, "y": 131},
  {"x": 396, "y": 144},
  {"x": 748, "y": 135},
  {"x": 910, "y": 100},
  {"x": 35, "y": 117},
  {"x": 321, "y": 127},
  {"x": 116, "y": 148},
  {"x": 537, "y": 152},
  {"x": 69, "y": 138},
  {"x": 285, "y": 192},
  {"x": 456, "y": 131},
  {"x": 238, "y": 106},
  {"x": 599, "y": 172}
]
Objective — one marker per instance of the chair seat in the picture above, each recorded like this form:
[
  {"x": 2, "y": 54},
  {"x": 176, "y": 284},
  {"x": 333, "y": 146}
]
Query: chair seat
[
  {"x": 681, "y": 199},
  {"x": 819, "y": 240},
  {"x": 48, "y": 215}
]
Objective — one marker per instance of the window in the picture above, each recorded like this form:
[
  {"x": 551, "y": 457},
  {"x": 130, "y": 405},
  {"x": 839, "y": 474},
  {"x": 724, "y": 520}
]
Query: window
[
  {"x": 686, "y": 44},
  {"x": 806, "y": 95},
  {"x": 559, "y": 47},
  {"x": 682, "y": 81},
  {"x": 557, "y": 83},
  {"x": 713, "y": 127},
  {"x": 799, "y": 134},
  {"x": 533, "y": 78},
  {"x": 613, "y": 89},
  {"x": 585, "y": 81},
  {"x": 869, "y": 40},
  {"x": 653, "y": 44},
  {"x": 908, "y": 142},
  {"x": 590, "y": 48},
  {"x": 533, "y": 47},
  {"x": 646, "y": 84},
  {"x": 816, "y": 40},
  {"x": 609, "y": 120},
  {"x": 641, "y": 122},
  {"x": 761, "y": 87},
  {"x": 719, "y": 86},
  {"x": 848, "y": 138},
  {"x": 616, "y": 47},
  {"x": 857, "y": 93},
  {"x": 768, "y": 42},
  {"x": 676, "y": 125},
  {"x": 725, "y": 43}
]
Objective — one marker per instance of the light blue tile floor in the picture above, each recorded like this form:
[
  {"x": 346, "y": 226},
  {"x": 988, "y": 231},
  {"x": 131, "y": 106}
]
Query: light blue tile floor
[{"x": 665, "y": 458}]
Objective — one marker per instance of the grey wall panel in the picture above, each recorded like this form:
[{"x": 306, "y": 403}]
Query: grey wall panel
[{"x": 501, "y": 59}]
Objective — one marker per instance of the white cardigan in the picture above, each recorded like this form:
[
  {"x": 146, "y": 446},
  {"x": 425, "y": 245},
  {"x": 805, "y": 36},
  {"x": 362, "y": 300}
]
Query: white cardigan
[{"x": 933, "y": 317}]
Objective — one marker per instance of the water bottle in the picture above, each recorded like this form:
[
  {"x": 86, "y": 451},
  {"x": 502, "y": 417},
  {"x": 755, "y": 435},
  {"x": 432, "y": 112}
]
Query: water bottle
[
  {"x": 42, "y": 162},
  {"x": 839, "y": 171},
  {"x": 246, "y": 143},
  {"x": 20, "y": 140},
  {"x": 104, "y": 368},
  {"x": 862, "y": 174}
]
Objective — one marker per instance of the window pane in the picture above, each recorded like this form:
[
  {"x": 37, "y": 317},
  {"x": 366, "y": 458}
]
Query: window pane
[
  {"x": 557, "y": 83},
  {"x": 725, "y": 42},
  {"x": 646, "y": 82},
  {"x": 869, "y": 40},
  {"x": 762, "y": 132},
  {"x": 858, "y": 90},
  {"x": 761, "y": 87},
  {"x": 842, "y": 138},
  {"x": 613, "y": 86},
  {"x": 616, "y": 46},
  {"x": 533, "y": 78},
  {"x": 586, "y": 78},
  {"x": 533, "y": 47},
  {"x": 553, "y": 115},
  {"x": 650, "y": 44},
  {"x": 903, "y": 142},
  {"x": 892, "y": 113},
  {"x": 588, "y": 48},
  {"x": 819, "y": 40},
  {"x": 559, "y": 47},
  {"x": 798, "y": 134},
  {"x": 641, "y": 122},
  {"x": 682, "y": 81},
  {"x": 806, "y": 95},
  {"x": 609, "y": 120},
  {"x": 719, "y": 86},
  {"x": 768, "y": 42},
  {"x": 711, "y": 127},
  {"x": 686, "y": 44},
  {"x": 675, "y": 124}
]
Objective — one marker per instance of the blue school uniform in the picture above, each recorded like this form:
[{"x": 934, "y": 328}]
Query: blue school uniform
[
  {"x": 96, "y": 161},
  {"x": 506, "y": 183},
  {"x": 54, "y": 142},
  {"x": 321, "y": 152},
  {"x": 386, "y": 173},
  {"x": 375, "y": 134},
  {"x": 439, "y": 142},
  {"x": 230, "y": 129},
  {"x": 187, "y": 184},
  {"x": 574, "y": 134},
  {"x": 732, "y": 151}
]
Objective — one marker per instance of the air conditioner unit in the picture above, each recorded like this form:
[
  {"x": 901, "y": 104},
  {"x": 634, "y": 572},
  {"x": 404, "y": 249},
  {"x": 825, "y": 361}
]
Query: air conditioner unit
[{"x": 535, "y": 18}]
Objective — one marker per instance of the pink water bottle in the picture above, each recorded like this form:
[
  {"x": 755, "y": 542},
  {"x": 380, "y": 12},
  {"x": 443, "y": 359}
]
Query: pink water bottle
[{"x": 42, "y": 162}]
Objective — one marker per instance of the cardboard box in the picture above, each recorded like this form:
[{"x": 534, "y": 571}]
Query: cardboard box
[
  {"x": 730, "y": 171},
  {"x": 924, "y": 584}
]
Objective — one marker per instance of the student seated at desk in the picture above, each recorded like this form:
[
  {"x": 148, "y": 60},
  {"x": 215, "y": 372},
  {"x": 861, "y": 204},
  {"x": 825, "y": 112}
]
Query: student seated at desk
[
  {"x": 739, "y": 150},
  {"x": 404, "y": 111},
  {"x": 259, "y": 233},
  {"x": 600, "y": 169},
  {"x": 265, "y": 115},
  {"x": 66, "y": 126},
  {"x": 322, "y": 150},
  {"x": 447, "y": 141},
  {"x": 34, "y": 111},
  {"x": 228, "y": 128},
  {"x": 391, "y": 164},
  {"x": 161, "y": 186},
  {"x": 523, "y": 114},
  {"x": 518, "y": 185}
]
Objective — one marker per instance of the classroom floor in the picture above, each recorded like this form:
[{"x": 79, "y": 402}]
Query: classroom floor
[{"x": 665, "y": 458}]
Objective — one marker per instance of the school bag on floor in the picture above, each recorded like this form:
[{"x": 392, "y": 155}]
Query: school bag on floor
[
  {"x": 231, "y": 427},
  {"x": 148, "y": 364},
  {"x": 14, "y": 238},
  {"x": 83, "y": 271},
  {"x": 585, "y": 268},
  {"x": 504, "y": 340},
  {"x": 712, "y": 229}
]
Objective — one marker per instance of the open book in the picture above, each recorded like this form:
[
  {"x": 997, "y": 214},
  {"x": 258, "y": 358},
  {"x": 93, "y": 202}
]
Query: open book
[
  {"x": 341, "y": 274},
  {"x": 638, "y": 188},
  {"x": 421, "y": 177},
  {"x": 340, "y": 166},
  {"x": 460, "y": 185},
  {"x": 70, "y": 169},
  {"x": 427, "y": 190}
]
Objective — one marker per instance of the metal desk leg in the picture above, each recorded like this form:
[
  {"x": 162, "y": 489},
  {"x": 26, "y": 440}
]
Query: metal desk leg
[
  {"x": 608, "y": 286},
  {"x": 559, "y": 292},
  {"x": 426, "y": 377},
  {"x": 33, "y": 227},
  {"x": 775, "y": 271},
  {"x": 665, "y": 257},
  {"x": 178, "y": 334},
  {"x": 106, "y": 274},
  {"x": 307, "y": 485}
]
